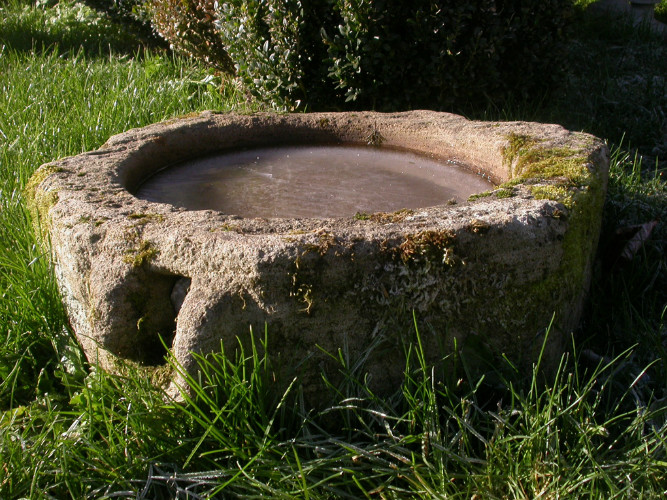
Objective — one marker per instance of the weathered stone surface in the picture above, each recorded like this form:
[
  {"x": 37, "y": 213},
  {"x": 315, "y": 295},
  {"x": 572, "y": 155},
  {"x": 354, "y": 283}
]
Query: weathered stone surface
[{"x": 489, "y": 273}]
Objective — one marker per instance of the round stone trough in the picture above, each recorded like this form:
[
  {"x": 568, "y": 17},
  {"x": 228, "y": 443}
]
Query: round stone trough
[{"x": 483, "y": 277}]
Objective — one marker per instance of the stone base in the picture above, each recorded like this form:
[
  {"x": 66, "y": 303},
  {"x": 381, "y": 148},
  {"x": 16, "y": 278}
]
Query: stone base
[{"x": 486, "y": 276}]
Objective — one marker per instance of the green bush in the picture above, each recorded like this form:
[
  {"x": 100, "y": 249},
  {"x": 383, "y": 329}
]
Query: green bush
[
  {"x": 278, "y": 48},
  {"x": 120, "y": 8},
  {"x": 188, "y": 26},
  {"x": 392, "y": 54},
  {"x": 661, "y": 11}
]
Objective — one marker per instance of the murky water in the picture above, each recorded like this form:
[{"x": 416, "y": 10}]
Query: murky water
[{"x": 311, "y": 181}]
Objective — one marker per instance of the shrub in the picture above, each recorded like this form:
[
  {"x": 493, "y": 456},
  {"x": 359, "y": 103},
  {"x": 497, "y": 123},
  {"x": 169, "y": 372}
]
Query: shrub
[
  {"x": 121, "y": 8},
  {"x": 661, "y": 11},
  {"x": 382, "y": 54},
  {"x": 389, "y": 53},
  {"x": 188, "y": 26},
  {"x": 278, "y": 48},
  {"x": 392, "y": 54}
]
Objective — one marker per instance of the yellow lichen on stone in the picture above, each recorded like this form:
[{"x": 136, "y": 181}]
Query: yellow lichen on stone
[
  {"x": 516, "y": 143},
  {"x": 526, "y": 160},
  {"x": 569, "y": 165},
  {"x": 504, "y": 193},
  {"x": 567, "y": 176},
  {"x": 553, "y": 192},
  {"x": 39, "y": 201}
]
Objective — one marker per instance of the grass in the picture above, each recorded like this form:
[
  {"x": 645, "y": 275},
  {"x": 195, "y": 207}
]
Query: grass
[
  {"x": 70, "y": 79},
  {"x": 117, "y": 437},
  {"x": 58, "y": 103}
]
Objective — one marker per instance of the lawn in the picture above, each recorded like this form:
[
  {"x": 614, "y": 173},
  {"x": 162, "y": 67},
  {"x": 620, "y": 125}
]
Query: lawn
[{"x": 70, "y": 78}]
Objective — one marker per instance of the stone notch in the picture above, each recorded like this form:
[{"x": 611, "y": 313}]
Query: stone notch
[{"x": 486, "y": 276}]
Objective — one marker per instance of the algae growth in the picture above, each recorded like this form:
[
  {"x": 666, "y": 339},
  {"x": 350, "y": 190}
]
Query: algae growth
[
  {"x": 39, "y": 201},
  {"x": 566, "y": 176}
]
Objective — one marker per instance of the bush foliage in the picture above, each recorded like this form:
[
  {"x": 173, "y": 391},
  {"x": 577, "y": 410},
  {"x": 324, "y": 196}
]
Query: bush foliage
[
  {"x": 382, "y": 54},
  {"x": 188, "y": 26}
]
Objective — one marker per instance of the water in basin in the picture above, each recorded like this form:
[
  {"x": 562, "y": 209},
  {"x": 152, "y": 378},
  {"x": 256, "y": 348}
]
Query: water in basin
[{"x": 312, "y": 181}]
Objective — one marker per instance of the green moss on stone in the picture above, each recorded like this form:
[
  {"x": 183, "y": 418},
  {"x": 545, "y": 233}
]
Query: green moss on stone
[
  {"x": 144, "y": 218},
  {"x": 573, "y": 185},
  {"x": 553, "y": 163},
  {"x": 563, "y": 175},
  {"x": 141, "y": 254},
  {"x": 553, "y": 192},
  {"x": 478, "y": 196},
  {"x": 504, "y": 193},
  {"x": 525, "y": 159},
  {"x": 511, "y": 183},
  {"x": 516, "y": 144},
  {"x": 463, "y": 295},
  {"x": 40, "y": 202}
]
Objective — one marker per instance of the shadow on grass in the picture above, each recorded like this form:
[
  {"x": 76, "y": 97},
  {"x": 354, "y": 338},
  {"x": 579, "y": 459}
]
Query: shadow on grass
[
  {"x": 71, "y": 29},
  {"x": 614, "y": 87}
]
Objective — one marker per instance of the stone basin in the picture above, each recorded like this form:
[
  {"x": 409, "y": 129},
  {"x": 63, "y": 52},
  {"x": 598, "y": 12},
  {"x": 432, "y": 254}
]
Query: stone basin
[
  {"x": 314, "y": 181},
  {"x": 485, "y": 276}
]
